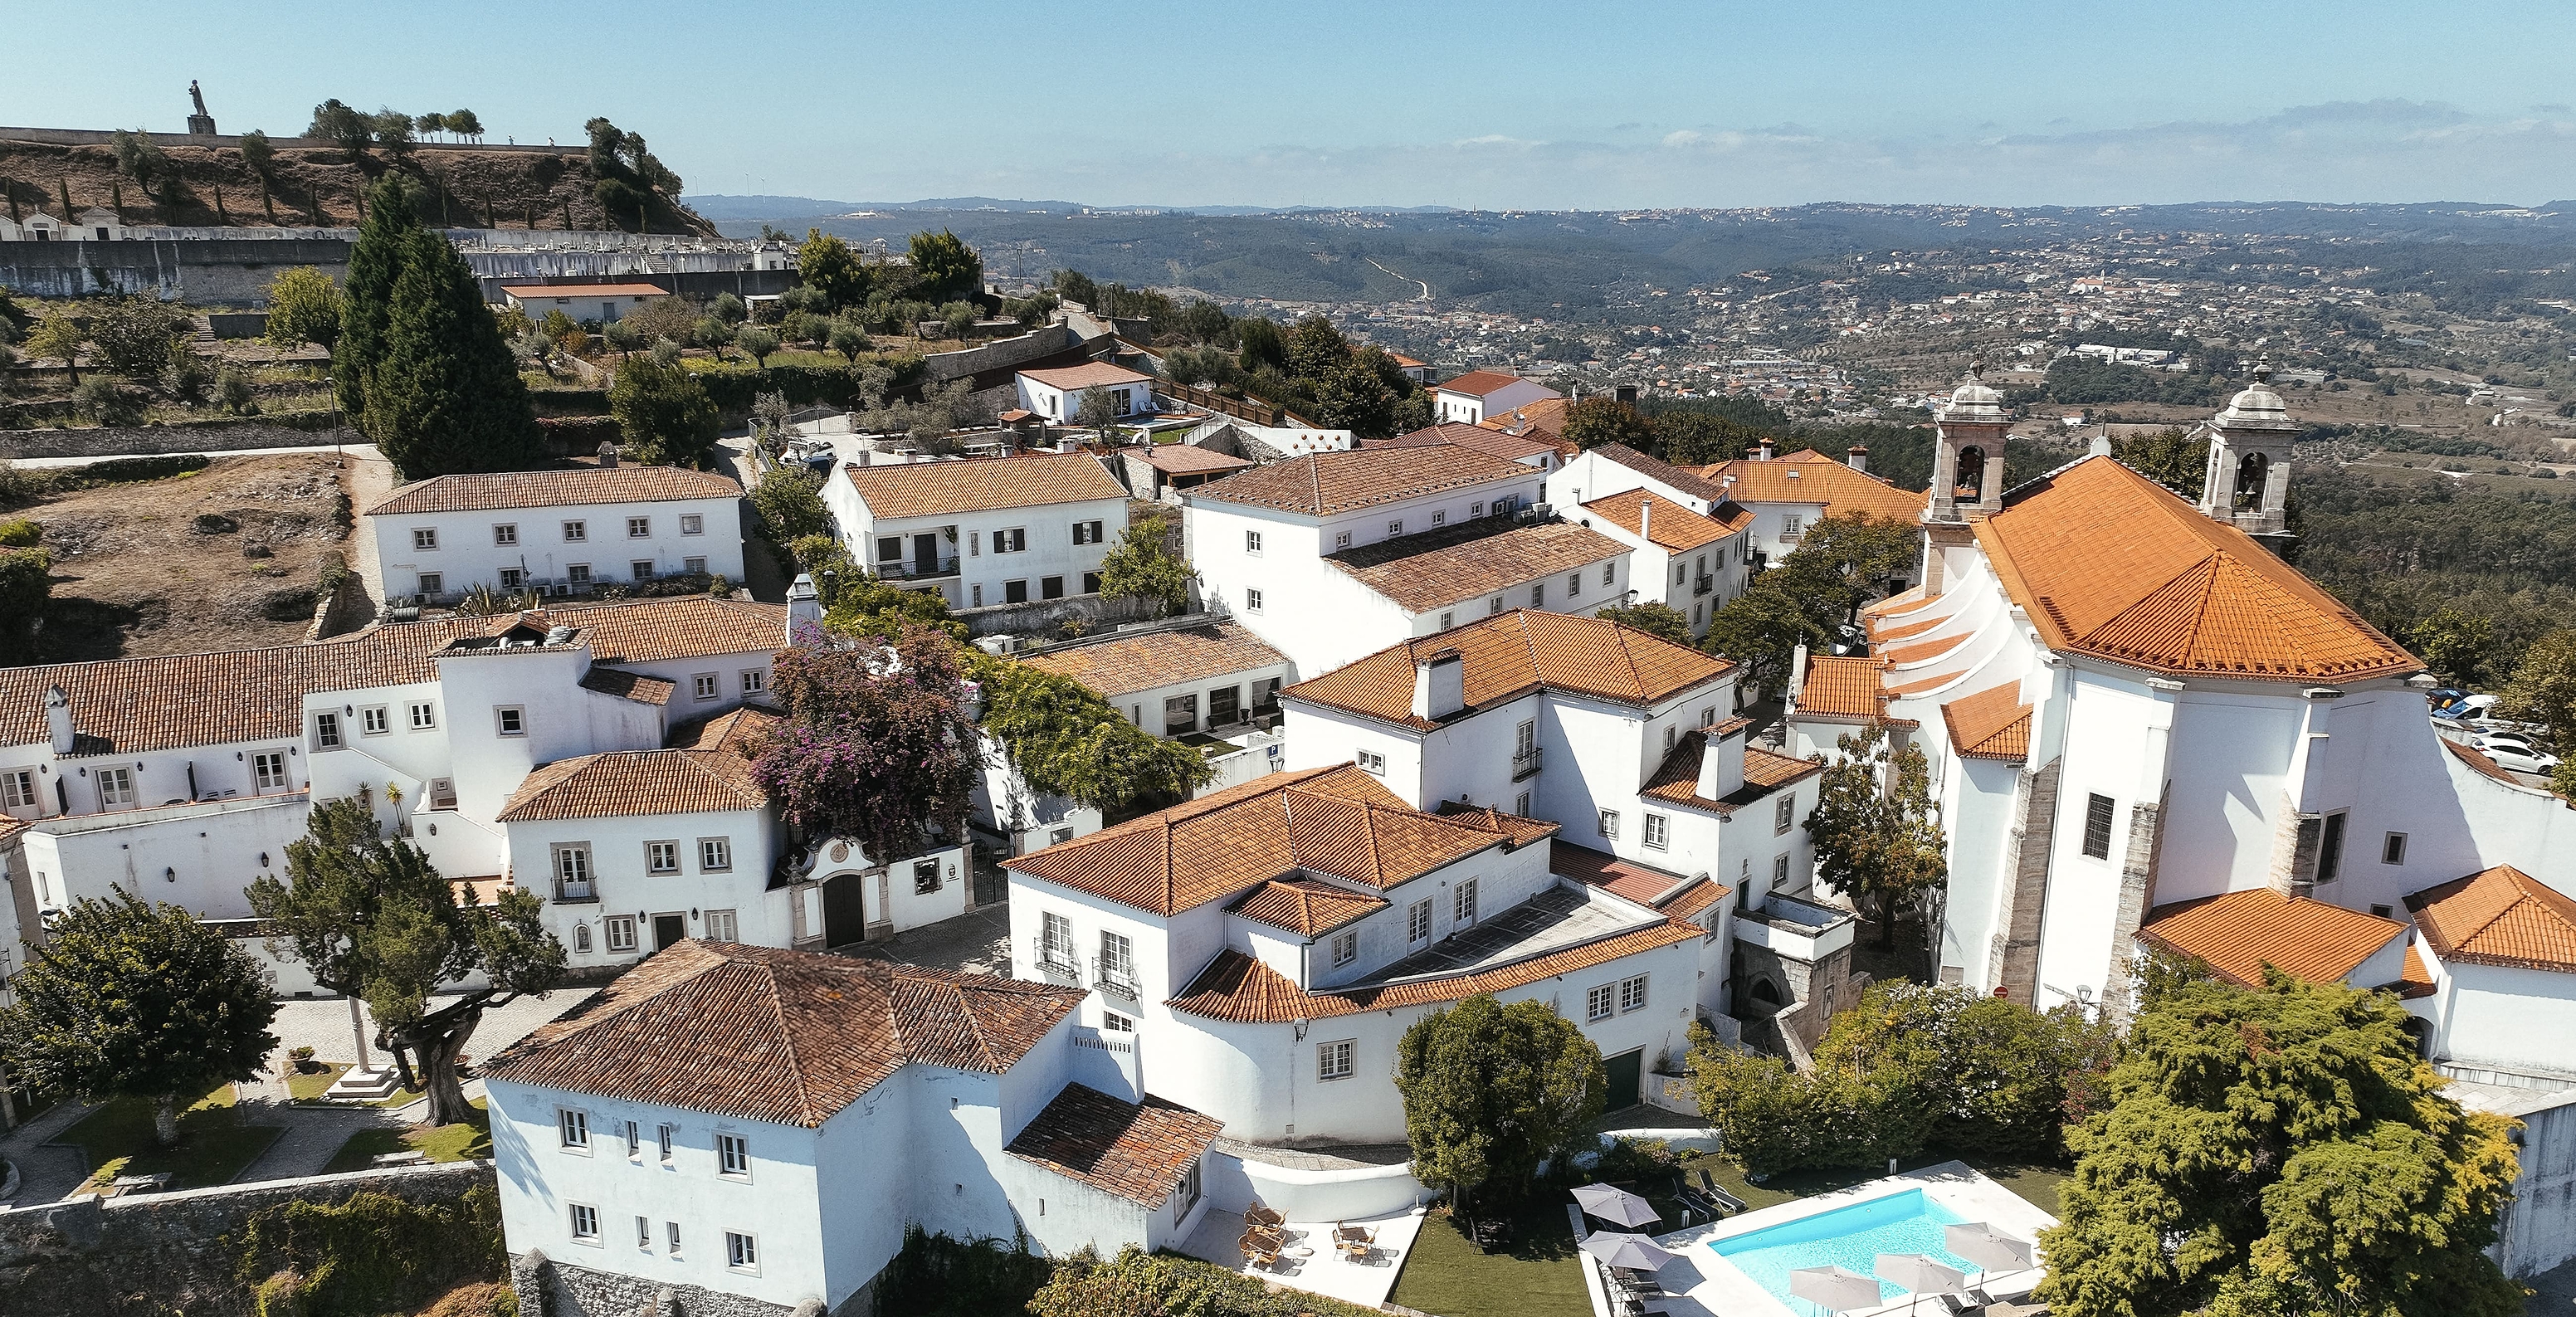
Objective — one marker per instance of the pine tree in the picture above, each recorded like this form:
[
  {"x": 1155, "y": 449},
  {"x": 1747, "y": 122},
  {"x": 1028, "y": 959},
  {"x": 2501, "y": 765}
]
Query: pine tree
[
  {"x": 375, "y": 262},
  {"x": 447, "y": 396}
]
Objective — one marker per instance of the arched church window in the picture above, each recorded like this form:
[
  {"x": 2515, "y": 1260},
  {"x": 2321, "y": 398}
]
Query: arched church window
[{"x": 1972, "y": 473}]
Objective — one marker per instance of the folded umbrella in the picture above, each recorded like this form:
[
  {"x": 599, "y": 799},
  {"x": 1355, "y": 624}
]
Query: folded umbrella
[
  {"x": 1834, "y": 1289},
  {"x": 1625, "y": 1250},
  {"x": 1919, "y": 1274},
  {"x": 1988, "y": 1247},
  {"x": 1614, "y": 1204}
]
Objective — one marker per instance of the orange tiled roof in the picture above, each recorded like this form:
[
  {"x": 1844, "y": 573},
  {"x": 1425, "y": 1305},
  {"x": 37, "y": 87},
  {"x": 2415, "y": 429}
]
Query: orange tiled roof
[
  {"x": 1483, "y": 438},
  {"x": 1336, "y": 820},
  {"x": 1320, "y": 484},
  {"x": 1306, "y": 905},
  {"x": 1086, "y": 375},
  {"x": 1886, "y": 635},
  {"x": 1675, "y": 477},
  {"x": 1136, "y": 1150},
  {"x": 2417, "y": 979},
  {"x": 1521, "y": 830},
  {"x": 1184, "y": 459},
  {"x": 171, "y": 701},
  {"x": 1480, "y": 383},
  {"x": 1454, "y": 564},
  {"x": 1672, "y": 526},
  {"x": 2239, "y": 933},
  {"x": 639, "y": 687},
  {"x": 634, "y": 782},
  {"x": 2109, "y": 563},
  {"x": 492, "y": 491},
  {"x": 1237, "y": 987},
  {"x": 1544, "y": 419},
  {"x": 1897, "y": 605},
  {"x": 1991, "y": 724},
  {"x": 2500, "y": 916},
  {"x": 1921, "y": 650},
  {"x": 1511, "y": 655},
  {"x": 1676, "y": 780},
  {"x": 929, "y": 489},
  {"x": 1629, "y": 880},
  {"x": 738, "y": 731},
  {"x": 1811, "y": 477},
  {"x": 789, "y": 1037},
  {"x": 1123, "y": 665},
  {"x": 1841, "y": 687}
]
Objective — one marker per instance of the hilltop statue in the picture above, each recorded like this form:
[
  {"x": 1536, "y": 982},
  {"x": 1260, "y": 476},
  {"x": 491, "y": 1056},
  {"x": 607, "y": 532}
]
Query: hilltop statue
[{"x": 200, "y": 124}]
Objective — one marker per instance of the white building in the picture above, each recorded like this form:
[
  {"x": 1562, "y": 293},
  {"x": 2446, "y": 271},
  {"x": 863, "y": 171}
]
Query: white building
[
  {"x": 1332, "y": 556},
  {"x": 1472, "y": 397},
  {"x": 982, "y": 531},
  {"x": 37, "y": 227},
  {"x": 744, "y": 1130},
  {"x": 1056, "y": 392},
  {"x": 586, "y": 303},
  {"x": 1200, "y": 676},
  {"x": 571, "y": 529},
  {"x": 1789, "y": 494},
  {"x": 1266, "y": 946}
]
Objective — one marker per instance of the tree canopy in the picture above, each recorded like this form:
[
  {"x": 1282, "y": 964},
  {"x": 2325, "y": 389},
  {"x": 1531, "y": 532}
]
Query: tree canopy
[
  {"x": 1143, "y": 565},
  {"x": 1653, "y": 617},
  {"x": 1066, "y": 740},
  {"x": 1876, "y": 828},
  {"x": 827, "y": 265},
  {"x": 445, "y": 395},
  {"x": 1491, "y": 1091},
  {"x": 2279, "y": 1150},
  {"x": 878, "y": 743},
  {"x": 944, "y": 267},
  {"x": 131, "y": 999},
  {"x": 664, "y": 412},
  {"x": 1597, "y": 420},
  {"x": 1761, "y": 629},
  {"x": 304, "y": 306},
  {"x": 371, "y": 917}
]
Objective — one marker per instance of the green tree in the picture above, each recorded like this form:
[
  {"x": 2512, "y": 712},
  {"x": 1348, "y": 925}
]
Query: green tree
[
  {"x": 1772, "y": 1118},
  {"x": 233, "y": 390},
  {"x": 130, "y": 999},
  {"x": 26, "y": 586},
  {"x": 2281, "y": 1150},
  {"x": 1653, "y": 618},
  {"x": 2453, "y": 642},
  {"x": 944, "y": 267},
  {"x": 756, "y": 343},
  {"x": 789, "y": 502},
  {"x": 1982, "y": 1074},
  {"x": 1066, "y": 740},
  {"x": 2169, "y": 457},
  {"x": 105, "y": 401},
  {"x": 863, "y": 604},
  {"x": 877, "y": 744},
  {"x": 1599, "y": 420},
  {"x": 136, "y": 336},
  {"x": 371, "y": 917},
  {"x": 304, "y": 306},
  {"x": 1354, "y": 397},
  {"x": 847, "y": 337},
  {"x": 392, "y": 130},
  {"x": 664, "y": 413},
  {"x": 464, "y": 124},
  {"x": 1261, "y": 346},
  {"x": 342, "y": 126},
  {"x": 1315, "y": 349},
  {"x": 376, "y": 260},
  {"x": 826, "y": 265},
  {"x": 623, "y": 335},
  {"x": 713, "y": 334},
  {"x": 1692, "y": 438},
  {"x": 59, "y": 338},
  {"x": 1097, "y": 411},
  {"x": 1491, "y": 1091},
  {"x": 1143, "y": 565},
  {"x": 1761, "y": 629},
  {"x": 1844, "y": 559},
  {"x": 2543, "y": 689},
  {"x": 259, "y": 154},
  {"x": 138, "y": 158},
  {"x": 447, "y": 396},
  {"x": 1876, "y": 828},
  {"x": 729, "y": 309}
]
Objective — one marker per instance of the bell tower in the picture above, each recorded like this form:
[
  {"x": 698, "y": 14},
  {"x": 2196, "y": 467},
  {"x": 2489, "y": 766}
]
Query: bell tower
[
  {"x": 1967, "y": 471},
  {"x": 2248, "y": 482}
]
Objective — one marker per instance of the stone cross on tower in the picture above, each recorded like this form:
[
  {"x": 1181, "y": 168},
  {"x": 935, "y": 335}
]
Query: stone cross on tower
[
  {"x": 200, "y": 124},
  {"x": 2248, "y": 483}
]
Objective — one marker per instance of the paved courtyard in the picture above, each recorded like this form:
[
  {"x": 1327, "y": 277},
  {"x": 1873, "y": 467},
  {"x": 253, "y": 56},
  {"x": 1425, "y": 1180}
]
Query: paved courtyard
[{"x": 323, "y": 1025}]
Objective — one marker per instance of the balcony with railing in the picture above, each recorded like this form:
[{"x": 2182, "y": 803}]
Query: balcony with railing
[
  {"x": 1525, "y": 764},
  {"x": 1705, "y": 584},
  {"x": 917, "y": 569},
  {"x": 576, "y": 891},
  {"x": 1115, "y": 978},
  {"x": 1055, "y": 963}
]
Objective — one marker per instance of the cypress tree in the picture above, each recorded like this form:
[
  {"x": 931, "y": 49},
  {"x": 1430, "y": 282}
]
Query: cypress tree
[
  {"x": 446, "y": 396},
  {"x": 375, "y": 262}
]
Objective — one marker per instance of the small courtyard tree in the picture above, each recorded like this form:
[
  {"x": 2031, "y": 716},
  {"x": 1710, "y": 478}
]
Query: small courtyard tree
[
  {"x": 1143, "y": 565},
  {"x": 371, "y": 917},
  {"x": 878, "y": 742},
  {"x": 1491, "y": 1091},
  {"x": 1876, "y": 827},
  {"x": 303, "y": 307},
  {"x": 664, "y": 413},
  {"x": 131, "y": 999},
  {"x": 1097, "y": 411}
]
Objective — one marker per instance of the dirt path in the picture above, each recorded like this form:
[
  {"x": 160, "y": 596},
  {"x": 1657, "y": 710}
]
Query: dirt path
[{"x": 368, "y": 477}]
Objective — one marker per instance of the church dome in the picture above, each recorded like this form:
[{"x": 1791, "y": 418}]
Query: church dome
[
  {"x": 1974, "y": 399},
  {"x": 2257, "y": 406}
]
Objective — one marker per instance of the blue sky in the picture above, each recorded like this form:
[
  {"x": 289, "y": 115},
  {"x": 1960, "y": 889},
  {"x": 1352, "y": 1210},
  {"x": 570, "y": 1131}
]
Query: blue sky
[{"x": 1502, "y": 104}]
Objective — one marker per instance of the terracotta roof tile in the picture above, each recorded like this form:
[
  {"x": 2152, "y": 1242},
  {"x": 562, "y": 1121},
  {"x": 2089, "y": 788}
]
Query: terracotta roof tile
[
  {"x": 639, "y": 687},
  {"x": 1771, "y": 770},
  {"x": 739, "y": 731},
  {"x": 1673, "y": 526},
  {"x": 784, "y": 1036},
  {"x": 1078, "y": 378},
  {"x": 1336, "y": 820},
  {"x": 1812, "y": 477},
  {"x": 1544, "y": 419},
  {"x": 1991, "y": 724},
  {"x": 1123, "y": 665},
  {"x": 1483, "y": 438},
  {"x": 1480, "y": 383},
  {"x": 1627, "y": 879},
  {"x": 635, "y": 782},
  {"x": 1886, "y": 635},
  {"x": 2417, "y": 978},
  {"x": 1921, "y": 651},
  {"x": 1184, "y": 459},
  {"x": 1306, "y": 905},
  {"x": 491, "y": 491},
  {"x": 2109, "y": 563},
  {"x": 1320, "y": 484},
  {"x": 2239, "y": 933},
  {"x": 1457, "y": 563},
  {"x": 1655, "y": 468},
  {"x": 1522, "y": 831},
  {"x": 1136, "y": 1150},
  {"x": 1898, "y": 605},
  {"x": 2500, "y": 916},
  {"x": 1676, "y": 780},
  {"x": 1842, "y": 688},
  {"x": 1237, "y": 987},
  {"x": 173, "y": 701},
  {"x": 981, "y": 484},
  {"x": 1513, "y": 654}
]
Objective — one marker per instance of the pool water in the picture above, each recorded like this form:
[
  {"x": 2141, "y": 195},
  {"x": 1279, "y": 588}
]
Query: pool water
[{"x": 1847, "y": 1237}]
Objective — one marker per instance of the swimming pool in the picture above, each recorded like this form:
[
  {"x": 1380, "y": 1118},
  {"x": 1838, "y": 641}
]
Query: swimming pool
[{"x": 1848, "y": 1237}]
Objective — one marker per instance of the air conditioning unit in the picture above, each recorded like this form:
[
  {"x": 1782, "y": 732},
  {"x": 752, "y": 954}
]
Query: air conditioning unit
[{"x": 998, "y": 645}]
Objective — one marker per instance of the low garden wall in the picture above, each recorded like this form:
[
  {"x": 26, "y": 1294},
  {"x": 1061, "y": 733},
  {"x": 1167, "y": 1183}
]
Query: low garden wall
[
  {"x": 230, "y": 436},
  {"x": 1342, "y": 1194}
]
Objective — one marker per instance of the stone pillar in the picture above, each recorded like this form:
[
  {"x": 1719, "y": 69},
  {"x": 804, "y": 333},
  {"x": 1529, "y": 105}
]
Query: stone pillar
[
  {"x": 2025, "y": 904},
  {"x": 2137, "y": 895}
]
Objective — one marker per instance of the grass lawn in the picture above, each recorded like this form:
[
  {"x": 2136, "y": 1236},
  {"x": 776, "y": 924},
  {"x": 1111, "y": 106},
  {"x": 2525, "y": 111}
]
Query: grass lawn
[
  {"x": 1446, "y": 1274},
  {"x": 214, "y": 1142},
  {"x": 444, "y": 1143},
  {"x": 309, "y": 1087}
]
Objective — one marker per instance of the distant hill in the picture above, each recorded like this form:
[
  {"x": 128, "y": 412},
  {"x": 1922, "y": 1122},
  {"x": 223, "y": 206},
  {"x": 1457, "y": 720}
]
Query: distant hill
[
  {"x": 717, "y": 206},
  {"x": 461, "y": 186}
]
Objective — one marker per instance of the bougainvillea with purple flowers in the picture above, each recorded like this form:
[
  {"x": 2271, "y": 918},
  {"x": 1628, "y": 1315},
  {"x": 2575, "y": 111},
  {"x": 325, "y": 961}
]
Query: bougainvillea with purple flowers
[{"x": 879, "y": 741}]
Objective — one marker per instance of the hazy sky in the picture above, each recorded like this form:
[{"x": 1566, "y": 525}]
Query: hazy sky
[{"x": 1499, "y": 104}]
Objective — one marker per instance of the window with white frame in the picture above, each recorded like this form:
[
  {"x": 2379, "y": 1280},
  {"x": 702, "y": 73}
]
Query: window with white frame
[
  {"x": 424, "y": 539},
  {"x": 694, "y": 566},
  {"x": 1609, "y": 824},
  {"x": 733, "y": 1156},
  {"x": 1333, "y": 1060},
  {"x": 1521, "y": 804},
  {"x": 692, "y": 523},
  {"x": 1632, "y": 994},
  {"x": 115, "y": 788},
  {"x": 1394, "y": 528},
  {"x": 1117, "y": 956},
  {"x": 576, "y": 532},
  {"x": 742, "y": 1253},
  {"x": 661, "y": 857},
  {"x": 1658, "y": 828},
  {"x": 755, "y": 680},
  {"x": 510, "y": 720},
  {"x": 641, "y": 569},
  {"x": 1609, "y": 573},
  {"x": 1252, "y": 541},
  {"x": 268, "y": 770},
  {"x": 621, "y": 932},
  {"x": 585, "y": 1224},
  {"x": 572, "y": 1128},
  {"x": 722, "y": 926},
  {"x": 326, "y": 731},
  {"x": 1055, "y": 940},
  {"x": 1448, "y": 620},
  {"x": 1791, "y": 524},
  {"x": 1597, "y": 1002},
  {"x": 705, "y": 686},
  {"x": 1494, "y": 605},
  {"x": 1440, "y": 518},
  {"x": 1014, "y": 540},
  {"x": 639, "y": 528},
  {"x": 1463, "y": 905},
  {"x": 1371, "y": 761},
  {"x": 1476, "y": 509},
  {"x": 1346, "y": 947},
  {"x": 572, "y": 865},
  {"x": 1417, "y": 921},
  {"x": 1252, "y": 601},
  {"x": 715, "y": 854},
  {"x": 375, "y": 721},
  {"x": 1573, "y": 584},
  {"x": 1341, "y": 539},
  {"x": 424, "y": 715},
  {"x": 1784, "y": 814},
  {"x": 18, "y": 786},
  {"x": 1779, "y": 872},
  {"x": 1086, "y": 532},
  {"x": 578, "y": 573}
]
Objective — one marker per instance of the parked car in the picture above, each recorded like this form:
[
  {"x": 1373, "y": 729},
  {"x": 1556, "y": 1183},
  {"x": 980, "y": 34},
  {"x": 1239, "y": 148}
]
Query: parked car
[
  {"x": 2514, "y": 753},
  {"x": 2466, "y": 706}
]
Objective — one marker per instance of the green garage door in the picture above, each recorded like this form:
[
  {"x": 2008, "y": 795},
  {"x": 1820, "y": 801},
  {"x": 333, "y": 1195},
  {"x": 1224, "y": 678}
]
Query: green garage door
[{"x": 1627, "y": 1070}]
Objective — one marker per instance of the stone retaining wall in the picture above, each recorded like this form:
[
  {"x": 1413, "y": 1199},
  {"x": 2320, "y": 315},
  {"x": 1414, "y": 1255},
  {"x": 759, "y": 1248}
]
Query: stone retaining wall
[
  {"x": 115, "y": 440},
  {"x": 155, "y": 1255},
  {"x": 547, "y": 1288}
]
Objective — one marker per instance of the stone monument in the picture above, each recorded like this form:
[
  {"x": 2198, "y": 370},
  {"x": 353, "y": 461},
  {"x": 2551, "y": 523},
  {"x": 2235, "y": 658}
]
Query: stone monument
[{"x": 200, "y": 124}]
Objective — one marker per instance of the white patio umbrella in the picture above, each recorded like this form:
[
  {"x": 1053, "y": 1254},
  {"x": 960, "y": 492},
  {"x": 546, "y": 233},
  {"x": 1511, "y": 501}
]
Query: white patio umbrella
[
  {"x": 1621, "y": 1249},
  {"x": 1919, "y": 1275},
  {"x": 1989, "y": 1248},
  {"x": 1834, "y": 1289},
  {"x": 1614, "y": 1204}
]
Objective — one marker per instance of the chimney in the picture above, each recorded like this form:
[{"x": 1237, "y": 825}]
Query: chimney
[
  {"x": 1858, "y": 456},
  {"x": 58, "y": 720},
  {"x": 1721, "y": 763},
  {"x": 1646, "y": 519},
  {"x": 1797, "y": 673},
  {"x": 803, "y": 605},
  {"x": 2102, "y": 444},
  {"x": 1627, "y": 393},
  {"x": 608, "y": 452},
  {"x": 1763, "y": 454},
  {"x": 1439, "y": 684}
]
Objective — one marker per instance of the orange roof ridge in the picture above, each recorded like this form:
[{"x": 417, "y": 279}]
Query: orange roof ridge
[
  {"x": 2499, "y": 916},
  {"x": 2237, "y": 933}
]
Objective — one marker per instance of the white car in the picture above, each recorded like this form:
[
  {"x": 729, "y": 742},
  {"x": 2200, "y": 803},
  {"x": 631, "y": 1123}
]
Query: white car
[{"x": 2515, "y": 753}]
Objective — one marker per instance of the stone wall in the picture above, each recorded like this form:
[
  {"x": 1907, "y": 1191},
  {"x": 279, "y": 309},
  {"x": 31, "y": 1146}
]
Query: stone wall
[
  {"x": 115, "y": 440},
  {"x": 1044, "y": 341},
  {"x": 547, "y": 1288},
  {"x": 1096, "y": 613},
  {"x": 173, "y": 1255}
]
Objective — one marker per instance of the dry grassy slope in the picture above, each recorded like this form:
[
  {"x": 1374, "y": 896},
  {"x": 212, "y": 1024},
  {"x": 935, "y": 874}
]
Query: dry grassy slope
[{"x": 465, "y": 188}]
